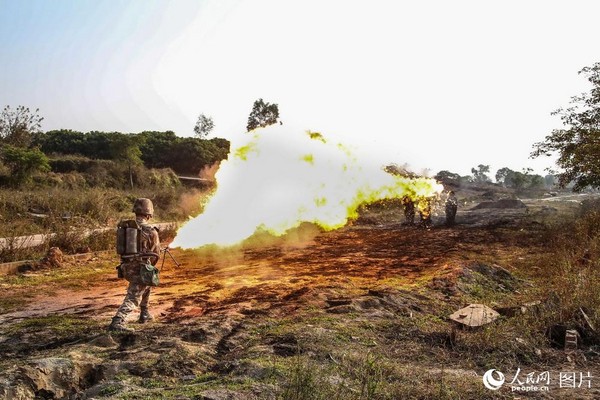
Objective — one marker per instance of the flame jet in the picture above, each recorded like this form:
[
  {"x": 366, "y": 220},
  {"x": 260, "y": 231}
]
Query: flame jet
[{"x": 276, "y": 178}]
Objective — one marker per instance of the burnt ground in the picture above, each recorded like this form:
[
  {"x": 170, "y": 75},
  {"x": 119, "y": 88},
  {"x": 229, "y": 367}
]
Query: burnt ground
[{"x": 360, "y": 312}]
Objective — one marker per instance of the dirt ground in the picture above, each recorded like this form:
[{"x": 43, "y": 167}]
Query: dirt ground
[{"x": 365, "y": 306}]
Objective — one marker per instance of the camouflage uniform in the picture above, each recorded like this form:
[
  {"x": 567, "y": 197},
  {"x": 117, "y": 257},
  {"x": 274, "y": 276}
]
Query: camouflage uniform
[
  {"x": 425, "y": 213},
  {"x": 451, "y": 207},
  {"x": 409, "y": 210},
  {"x": 138, "y": 294}
]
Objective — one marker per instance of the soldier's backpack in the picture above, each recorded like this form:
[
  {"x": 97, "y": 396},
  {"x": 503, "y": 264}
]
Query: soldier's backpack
[{"x": 133, "y": 245}]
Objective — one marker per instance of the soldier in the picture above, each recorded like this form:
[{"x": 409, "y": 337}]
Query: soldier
[
  {"x": 138, "y": 292},
  {"x": 451, "y": 207},
  {"x": 409, "y": 210},
  {"x": 425, "y": 212}
]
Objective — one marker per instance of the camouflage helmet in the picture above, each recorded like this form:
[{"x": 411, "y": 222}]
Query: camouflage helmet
[{"x": 143, "y": 206}]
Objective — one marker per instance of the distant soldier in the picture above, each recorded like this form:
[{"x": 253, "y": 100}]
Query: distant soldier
[
  {"x": 409, "y": 210},
  {"x": 425, "y": 212},
  {"x": 451, "y": 207},
  {"x": 139, "y": 246}
]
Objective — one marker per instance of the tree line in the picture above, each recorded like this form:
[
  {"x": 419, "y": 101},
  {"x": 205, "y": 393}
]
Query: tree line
[
  {"x": 152, "y": 149},
  {"x": 26, "y": 150},
  {"x": 505, "y": 176}
]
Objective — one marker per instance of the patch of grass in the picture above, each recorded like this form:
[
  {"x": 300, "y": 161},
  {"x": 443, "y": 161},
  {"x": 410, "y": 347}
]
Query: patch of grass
[
  {"x": 110, "y": 389},
  {"x": 569, "y": 275},
  {"x": 59, "y": 325},
  {"x": 69, "y": 213},
  {"x": 504, "y": 344},
  {"x": 11, "y": 302},
  {"x": 69, "y": 276},
  {"x": 373, "y": 376}
]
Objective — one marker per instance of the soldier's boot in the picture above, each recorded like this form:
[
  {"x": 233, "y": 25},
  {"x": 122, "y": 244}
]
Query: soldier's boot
[
  {"x": 118, "y": 325},
  {"x": 145, "y": 315}
]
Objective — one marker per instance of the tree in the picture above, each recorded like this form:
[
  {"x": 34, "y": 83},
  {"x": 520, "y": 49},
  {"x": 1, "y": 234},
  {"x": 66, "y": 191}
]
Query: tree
[
  {"x": 204, "y": 126},
  {"x": 549, "y": 180},
  {"x": 448, "y": 178},
  {"x": 479, "y": 173},
  {"x": 262, "y": 114},
  {"x": 17, "y": 127},
  {"x": 24, "y": 163},
  {"x": 126, "y": 148},
  {"x": 64, "y": 141},
  {"x": 156, "y": 148},
  {"x": 504, "y": 176},
  {"x": 519, "y": 180},
  {"x": 578, "y": 143},
  {"x": 536, "y": 181}
]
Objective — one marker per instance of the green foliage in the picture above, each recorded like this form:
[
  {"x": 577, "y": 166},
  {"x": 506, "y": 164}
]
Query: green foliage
[
  {"x": 503, "y": 176},
  {"x": 549, "y": 180},
  {"x": 480, "y": 173},
  {"x": 571, "y": 270},
  {"x": 64, "y": 141},
  {"x": 156, "y": 148},
  {"x": 126, "y": 149},
  {"x": 519, "y": 180},
  {"x": 262, "y": 114},
  {"x": 23, "y": 163},
  {"x": 81, "y": 172},
  {"x": 448, "y": 178},
  {"x": 18, "y": 126},
  {"x": 204, "y": 126},
  {"x": 578, "y": 143},
  {"x": 153, "y": 149}
]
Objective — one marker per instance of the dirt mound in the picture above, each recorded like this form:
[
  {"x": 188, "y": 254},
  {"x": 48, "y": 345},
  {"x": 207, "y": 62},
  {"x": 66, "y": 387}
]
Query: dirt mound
[{"x": 502, "y": 204}]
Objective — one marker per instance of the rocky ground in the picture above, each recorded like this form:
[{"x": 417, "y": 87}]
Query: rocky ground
[{"x": 358, "y": 313}]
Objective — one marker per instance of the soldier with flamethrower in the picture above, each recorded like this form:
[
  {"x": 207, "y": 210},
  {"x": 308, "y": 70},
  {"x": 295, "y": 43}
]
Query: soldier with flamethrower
[{"x": 138, "y": 245}]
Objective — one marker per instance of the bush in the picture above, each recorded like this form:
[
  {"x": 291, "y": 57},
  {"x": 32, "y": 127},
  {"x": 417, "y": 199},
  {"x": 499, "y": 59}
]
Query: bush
[{"x": 572, "y": 270}]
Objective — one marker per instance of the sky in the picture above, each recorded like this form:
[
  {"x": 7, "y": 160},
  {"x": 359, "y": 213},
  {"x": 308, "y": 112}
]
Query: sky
[{"x": 438, "y": 85}]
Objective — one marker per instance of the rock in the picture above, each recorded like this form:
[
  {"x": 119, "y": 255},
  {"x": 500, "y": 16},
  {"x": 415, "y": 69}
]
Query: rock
[
  {"x": 54, "y": 377},
  {"x": 103, "y": 341},
  {"x": 474, "y": 315},
  {"x": 15, "y": 391},
  {"x": 51, "y": 378},
  {"x": 103, "y": 390},
  {"x": 52, "y": 259}
]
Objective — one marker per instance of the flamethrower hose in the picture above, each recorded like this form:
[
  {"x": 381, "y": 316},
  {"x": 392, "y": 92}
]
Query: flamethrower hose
[{"x": 149, "y": 254}]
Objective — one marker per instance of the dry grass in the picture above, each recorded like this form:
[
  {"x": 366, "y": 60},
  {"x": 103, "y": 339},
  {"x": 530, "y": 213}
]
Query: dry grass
[{"x": 70, "y": 214}]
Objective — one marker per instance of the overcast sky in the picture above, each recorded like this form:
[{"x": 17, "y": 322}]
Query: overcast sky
[{"x": 435, "y": 84}]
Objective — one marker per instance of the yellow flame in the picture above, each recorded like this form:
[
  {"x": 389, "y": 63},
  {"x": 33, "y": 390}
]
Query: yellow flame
[{"x": 275, "y": 179}]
